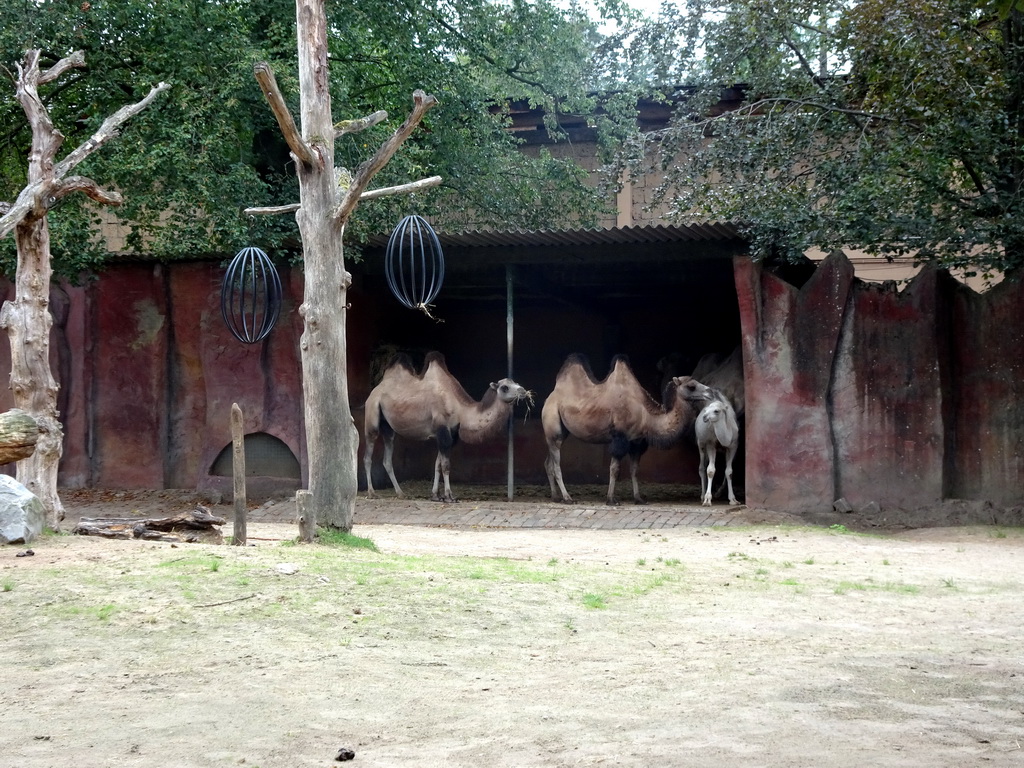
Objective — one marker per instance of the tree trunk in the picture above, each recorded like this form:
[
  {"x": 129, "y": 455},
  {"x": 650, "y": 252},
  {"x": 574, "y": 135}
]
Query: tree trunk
[
  {"x": 326, "y": 200},
  {"x": 27, "y": 321},
  {"x": 331, "y": 438}
]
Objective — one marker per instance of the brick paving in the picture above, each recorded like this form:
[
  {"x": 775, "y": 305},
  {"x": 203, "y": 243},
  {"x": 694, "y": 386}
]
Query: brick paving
[{"x": 519, "y": 514}]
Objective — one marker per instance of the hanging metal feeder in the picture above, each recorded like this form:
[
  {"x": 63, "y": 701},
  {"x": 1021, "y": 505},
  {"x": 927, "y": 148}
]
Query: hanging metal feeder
[
  {"x": 414, "y": 263},
  {"x": 250, "y": 297}
]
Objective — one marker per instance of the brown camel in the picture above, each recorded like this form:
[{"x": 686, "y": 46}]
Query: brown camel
[
  {"x": 618, "y": 411},
  {"x": 432, "y": 405}
]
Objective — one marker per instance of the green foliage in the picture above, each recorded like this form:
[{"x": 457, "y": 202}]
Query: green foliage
[
  {"x": 335, "y": 538},
  {"x": 893, "y": 127},
  {"x": 209, "y": 147}
]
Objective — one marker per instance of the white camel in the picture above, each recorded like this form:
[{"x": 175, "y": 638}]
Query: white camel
[{"x": 716, "y": 427}]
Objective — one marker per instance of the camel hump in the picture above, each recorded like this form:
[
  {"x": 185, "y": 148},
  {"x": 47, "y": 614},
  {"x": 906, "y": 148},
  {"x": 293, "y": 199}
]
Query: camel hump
[
  {"x": 401, "y": 360},
  {"x": 434, "y": 358},
  {"x": 619, "y": 358},
  {"x": 577, "y": 360}
]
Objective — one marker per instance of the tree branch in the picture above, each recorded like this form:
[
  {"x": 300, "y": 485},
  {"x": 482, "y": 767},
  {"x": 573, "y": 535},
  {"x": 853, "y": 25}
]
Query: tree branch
[
  {"x": 106, "y": 132},
  {"x": 15, "y": 213},
  {"x": 76, "y": 59},
  {"x": 268, "y": 84},
  {"x": 401, "y": 189},
  {"x": 89, "y": 187},
  {"x": 355, "y": 126},
  {"x": 272, "y": 210},
  {"x": 422, "y": 103}
]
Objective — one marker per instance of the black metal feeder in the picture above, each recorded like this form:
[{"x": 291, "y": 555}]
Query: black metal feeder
[
  {"x": 250, "y": 297},
  {"x": 414, "y": 263}
]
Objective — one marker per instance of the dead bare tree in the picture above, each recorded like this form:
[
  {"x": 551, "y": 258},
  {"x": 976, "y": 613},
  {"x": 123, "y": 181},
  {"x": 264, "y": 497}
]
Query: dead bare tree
[
  {"x": 328, "y": 196},
  {"x": 27, "y": 318}
]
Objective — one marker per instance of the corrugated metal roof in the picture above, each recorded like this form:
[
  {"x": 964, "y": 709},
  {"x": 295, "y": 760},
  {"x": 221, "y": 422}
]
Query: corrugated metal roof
[{"x": 643, "y": 233}]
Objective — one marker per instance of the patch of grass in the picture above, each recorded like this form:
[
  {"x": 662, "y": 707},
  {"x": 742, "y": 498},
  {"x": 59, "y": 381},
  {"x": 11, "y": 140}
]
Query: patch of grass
[
  {"x": 672, "y": 561},
  {"x": 104, "y": 612},
  {"x": 790, "y": 582},
  {"x": 845, "y": 586},
  {"x": 641, "y": 561},
  {"x": 761, "y": 571},
  {"x": 215, "y": 564},
  {"x": 595, "y": 601},
  {"x": 907, "y": 589},
  {"x": 738, "y": 556},
  {"x": 653, "y": 582},
  {"x": 787, "y": 564},
  {"x": 8, "y": 585},
  {"x": 838, "y": 528},
  {"x": 553, "y": 561},
  {"x": 998, "y": 533},
  {"x": 949, "y": 584},
  {"x": 332, "y": 537},
  {"x": 885, "y": 561},
  {"x": 890, "y": 586},
  {"x": 809, "y": 561}
]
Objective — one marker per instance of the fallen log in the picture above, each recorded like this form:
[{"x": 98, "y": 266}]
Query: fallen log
[
  {"x": 19, "y": 432},
  {"x": 196, "y": 526}
]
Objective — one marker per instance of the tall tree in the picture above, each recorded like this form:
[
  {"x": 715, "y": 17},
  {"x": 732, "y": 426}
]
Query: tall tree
[
  {"x": 328, "y": 197},
  {"x": 893, "y": 127},
  {"x": 213, "y": 148},
  {"x": 27, "y": 318}
]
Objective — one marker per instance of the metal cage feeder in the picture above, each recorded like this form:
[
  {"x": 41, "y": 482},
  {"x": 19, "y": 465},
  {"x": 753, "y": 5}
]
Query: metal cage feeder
[
  {"x": 414, "y": 263},
  {"x": 250, "y": 296}
]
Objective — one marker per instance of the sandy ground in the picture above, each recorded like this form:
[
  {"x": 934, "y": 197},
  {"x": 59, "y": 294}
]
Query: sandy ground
[{"x": 754, "y": 646}]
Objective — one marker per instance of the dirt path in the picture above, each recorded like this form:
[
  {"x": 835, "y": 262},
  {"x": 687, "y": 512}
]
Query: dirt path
[{"x": 759, "y": 646}]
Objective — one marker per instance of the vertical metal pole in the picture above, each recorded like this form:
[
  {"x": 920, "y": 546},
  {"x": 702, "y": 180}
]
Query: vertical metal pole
[{"x": 509, "y": 332}]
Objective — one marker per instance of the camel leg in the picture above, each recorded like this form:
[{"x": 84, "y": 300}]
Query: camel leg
[
  {"x": 437, "y": 478},
  {"x": 711, "y": 477},
  {"x": 730, "y": 452},
  {"x": 635, "y": 452},
  {"x": 369, "y": 443},
  {"x": 443, "y": 464},
  {"x": 702, "y": 471},
  {"x": 553, "y": 467},
  {"x": 442, "y": 468},
  {"x": 613, "y": 474},
  {"x": 389, "y": 449},
  {"x": 620, "y": 447}
]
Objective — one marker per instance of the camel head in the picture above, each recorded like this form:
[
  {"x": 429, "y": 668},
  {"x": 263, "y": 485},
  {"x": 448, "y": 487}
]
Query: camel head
[
  {"x": 510, "y": 392},
  {"x": 712, "y": 413},
  {"x": 692, "y": 391}
]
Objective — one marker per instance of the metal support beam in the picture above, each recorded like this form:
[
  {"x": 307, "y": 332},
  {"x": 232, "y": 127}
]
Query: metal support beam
[{"x": 510, "y": 336}]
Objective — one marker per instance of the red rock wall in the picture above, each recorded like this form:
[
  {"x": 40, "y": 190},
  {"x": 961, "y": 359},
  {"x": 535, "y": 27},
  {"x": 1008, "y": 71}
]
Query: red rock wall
[
  {"x": 853, "y": 390},
  {"x": 987, "y": 443},
  {"x": 890, "y": 393},
  {"x": 790, "y": 337},
  {"x": 858, "y": 391}
]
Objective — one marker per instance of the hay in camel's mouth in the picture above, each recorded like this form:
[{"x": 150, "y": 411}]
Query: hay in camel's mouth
[{"x": 527, "y": 395}]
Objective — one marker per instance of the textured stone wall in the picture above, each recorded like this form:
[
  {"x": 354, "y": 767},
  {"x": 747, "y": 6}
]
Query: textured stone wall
[
  {"x": 859, "y": 391},
  {"x": 853, "y": 390}
]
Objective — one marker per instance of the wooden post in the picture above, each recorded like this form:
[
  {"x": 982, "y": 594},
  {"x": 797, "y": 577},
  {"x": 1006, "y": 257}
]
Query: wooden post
[
  {"x": 238, "y": 462},
  {"x": 307, "y": 516}
]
